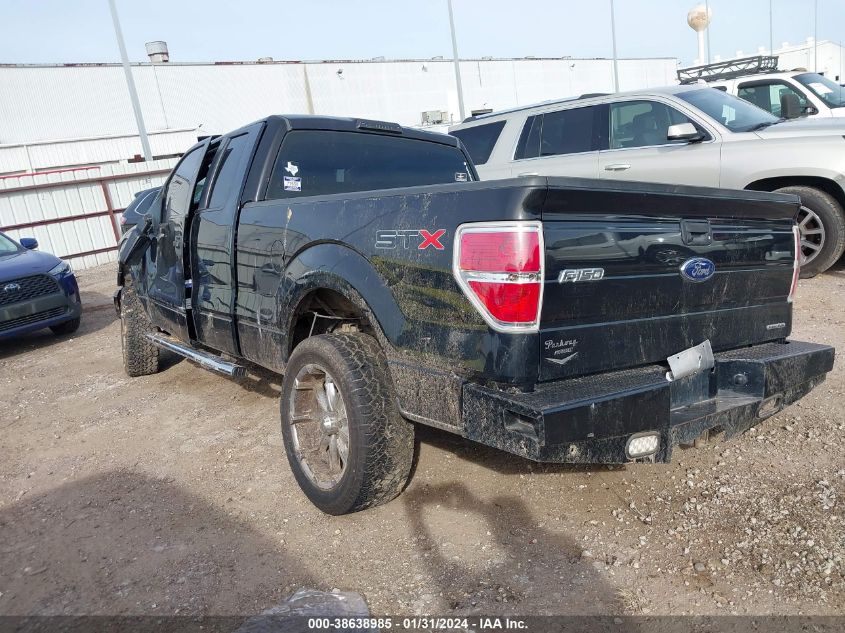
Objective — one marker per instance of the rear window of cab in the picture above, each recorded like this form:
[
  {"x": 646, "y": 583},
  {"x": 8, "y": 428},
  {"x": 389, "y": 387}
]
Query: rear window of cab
[{"x": 325, "y": 162}]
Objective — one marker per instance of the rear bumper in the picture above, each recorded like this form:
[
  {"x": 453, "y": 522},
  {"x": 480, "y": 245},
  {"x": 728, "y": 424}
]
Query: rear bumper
[{"x": 592, "y": 418}]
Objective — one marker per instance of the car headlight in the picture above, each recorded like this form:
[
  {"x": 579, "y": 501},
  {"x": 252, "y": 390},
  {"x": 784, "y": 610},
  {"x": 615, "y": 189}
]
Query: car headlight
[{"x": 62, "y": 268}]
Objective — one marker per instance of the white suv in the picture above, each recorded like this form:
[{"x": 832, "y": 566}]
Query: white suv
[
  {"x": 815, "y": 95},
  {"x": 691, "y": 135},
  {"x": 787, "y": 94}
]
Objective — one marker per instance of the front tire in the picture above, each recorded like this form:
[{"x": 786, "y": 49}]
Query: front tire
[
  {"x": 140, "y": 356},
  {"x": 821, "y": 221},
  {"x": 347, "y": 444}
]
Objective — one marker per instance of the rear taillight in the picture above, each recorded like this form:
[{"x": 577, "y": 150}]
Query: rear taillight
[
  {"x": 500, "y": 268},
  {"x": 796, "y": 264}
]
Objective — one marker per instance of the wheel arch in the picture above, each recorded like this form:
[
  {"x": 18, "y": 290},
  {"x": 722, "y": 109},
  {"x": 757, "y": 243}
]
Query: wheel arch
[
  {"x": 829, "y": 186},
  {"x": 332, "y": 278}
]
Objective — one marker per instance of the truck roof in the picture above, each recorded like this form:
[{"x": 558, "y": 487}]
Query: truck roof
[{"x": 348, "y": 124}]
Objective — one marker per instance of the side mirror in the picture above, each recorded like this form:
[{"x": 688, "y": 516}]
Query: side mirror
[
  {"x": 790, "y": 106},
  {"x": 29, "y": 243},
  {"x": 683, "y": 132}
]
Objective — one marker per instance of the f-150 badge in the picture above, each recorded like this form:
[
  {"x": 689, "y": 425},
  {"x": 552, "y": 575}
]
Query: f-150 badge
[
  {"x": 698, "y": 269},
  {"x": 572, "y": 275},
  {"x": 420, "y": 238}
]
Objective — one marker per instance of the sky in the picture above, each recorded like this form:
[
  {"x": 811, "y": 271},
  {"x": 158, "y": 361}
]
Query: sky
[{"x": 62, "y": 31}]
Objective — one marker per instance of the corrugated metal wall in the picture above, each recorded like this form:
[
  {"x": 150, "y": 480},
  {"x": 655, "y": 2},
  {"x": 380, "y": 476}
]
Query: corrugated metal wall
[
  {"x": 57, "y": 102},
  {"x": 49, "y": 155},
  {"x": 42, "y": 199}
]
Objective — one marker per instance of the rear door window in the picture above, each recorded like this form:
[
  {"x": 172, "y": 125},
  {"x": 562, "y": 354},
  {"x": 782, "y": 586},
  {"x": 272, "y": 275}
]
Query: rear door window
[
  {"x": 322, "y": 162},
  {"x": 567, "y": 132},
  {"x": 571, "y": 131},
  {"x": 529, "y": 140},
  {"x": 480, "y": 140}
]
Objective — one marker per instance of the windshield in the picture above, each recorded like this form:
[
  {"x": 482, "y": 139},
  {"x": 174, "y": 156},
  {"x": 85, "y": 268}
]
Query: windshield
[
  {"x": 734, "y": 113},
  {"x": 830, "y": 92},
  {"x": 7, "y": 246}
]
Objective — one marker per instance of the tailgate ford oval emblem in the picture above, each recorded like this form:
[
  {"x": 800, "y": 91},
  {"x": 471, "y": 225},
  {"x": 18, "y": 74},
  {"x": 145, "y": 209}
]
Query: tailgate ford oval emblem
[{"x": 698, "y": 269}]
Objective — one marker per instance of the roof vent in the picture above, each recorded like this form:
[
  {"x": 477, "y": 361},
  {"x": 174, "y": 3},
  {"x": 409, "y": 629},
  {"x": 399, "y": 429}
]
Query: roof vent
[
  {"x": 265, "y": 60},
  {"x": 157, "y": 52}
]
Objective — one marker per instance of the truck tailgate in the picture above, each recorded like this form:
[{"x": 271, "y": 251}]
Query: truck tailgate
[{"x": 635, "y": 275}]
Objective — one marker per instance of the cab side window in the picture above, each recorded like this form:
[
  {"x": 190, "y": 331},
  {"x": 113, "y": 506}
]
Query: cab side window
[
  {"x": 179, "y": 195},
  {"x": 228, "y": 179},
  {"x": 642, "y": 123},
  {"x": 767, "y": 95}
]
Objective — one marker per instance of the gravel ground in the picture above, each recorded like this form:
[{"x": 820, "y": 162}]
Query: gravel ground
[{"x": 171, "y": 494}]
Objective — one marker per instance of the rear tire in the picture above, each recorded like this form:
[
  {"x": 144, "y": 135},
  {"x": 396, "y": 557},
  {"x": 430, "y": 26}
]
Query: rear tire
[
  {"x": 349, "y": 371},
  {"x": 68, "y": 327},
  {"x": 140, "y": 356},
  {"x": 820, "y": 212}
]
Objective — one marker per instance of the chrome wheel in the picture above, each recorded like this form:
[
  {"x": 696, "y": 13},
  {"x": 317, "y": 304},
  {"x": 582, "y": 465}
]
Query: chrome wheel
[
  {"x": 812, "y": 234},
  {"x": 319, "y": 426}
]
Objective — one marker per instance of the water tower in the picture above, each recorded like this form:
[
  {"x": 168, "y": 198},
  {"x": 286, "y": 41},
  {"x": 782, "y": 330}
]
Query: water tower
[{"x": 698, "y": 19}]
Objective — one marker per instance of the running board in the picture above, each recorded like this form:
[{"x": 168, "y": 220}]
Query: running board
[{"x": 202, "y": 358}]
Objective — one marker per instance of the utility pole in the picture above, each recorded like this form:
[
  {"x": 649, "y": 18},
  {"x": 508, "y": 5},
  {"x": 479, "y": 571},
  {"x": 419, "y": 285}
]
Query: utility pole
[
  {"x": 457, "y": 63},
  {"x": 613, "y": 36},
  {"x": 707, "y": 10},
  {"x": 816, "y": 36},
  {"x": 130, "y": 83},
  {"x": 771, "y": 36}
]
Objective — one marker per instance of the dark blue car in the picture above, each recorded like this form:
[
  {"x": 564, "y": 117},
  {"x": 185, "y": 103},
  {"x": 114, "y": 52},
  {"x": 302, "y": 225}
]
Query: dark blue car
[{"x": 37, "y": 290}]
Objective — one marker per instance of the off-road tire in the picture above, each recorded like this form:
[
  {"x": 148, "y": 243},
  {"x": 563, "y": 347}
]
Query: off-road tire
[
  {"x": 381, "y": 441},
  {"x": 140, "y": 356},
  {"x": 68, "y": 327},
  {"x": 832, "y": 217}
]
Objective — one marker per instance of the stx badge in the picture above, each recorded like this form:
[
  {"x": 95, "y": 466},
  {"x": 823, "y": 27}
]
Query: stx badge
[{"x": 409, "y": 238}]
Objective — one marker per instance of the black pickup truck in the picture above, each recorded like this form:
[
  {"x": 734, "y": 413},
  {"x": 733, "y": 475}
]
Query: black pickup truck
[{"x": 562, "y": 320}]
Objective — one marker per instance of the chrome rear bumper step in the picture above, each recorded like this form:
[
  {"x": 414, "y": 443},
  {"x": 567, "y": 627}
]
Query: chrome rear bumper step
[{"x": 202, "y": 358}]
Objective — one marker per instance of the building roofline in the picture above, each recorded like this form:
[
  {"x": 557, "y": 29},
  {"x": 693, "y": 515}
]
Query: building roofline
[{"x": 327, "y": 61}]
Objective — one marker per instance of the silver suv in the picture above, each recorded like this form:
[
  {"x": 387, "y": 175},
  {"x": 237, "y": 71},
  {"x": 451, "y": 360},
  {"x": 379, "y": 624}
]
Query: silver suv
[{"x": 690, "y": 135}]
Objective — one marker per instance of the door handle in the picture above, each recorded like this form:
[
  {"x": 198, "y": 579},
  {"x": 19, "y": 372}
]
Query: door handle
[
  {"x": 528, "y": 173},
  {"x": 617, "y": 167}
]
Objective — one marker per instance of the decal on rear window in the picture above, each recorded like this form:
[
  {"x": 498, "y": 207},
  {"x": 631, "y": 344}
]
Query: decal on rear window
[{"x": 293, "y": 184}]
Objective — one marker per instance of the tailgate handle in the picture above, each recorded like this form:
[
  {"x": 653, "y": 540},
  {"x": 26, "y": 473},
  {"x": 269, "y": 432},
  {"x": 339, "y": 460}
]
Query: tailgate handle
[{"x": 696, "y": 232}]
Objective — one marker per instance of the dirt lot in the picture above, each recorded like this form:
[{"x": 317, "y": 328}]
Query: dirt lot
[{"x": 171, "y": 494}]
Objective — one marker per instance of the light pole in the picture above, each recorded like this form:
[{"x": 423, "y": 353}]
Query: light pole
[
  {"x": 130, "y": 83},
  {"x": 816, "y": 36},
  {"x": 771, "y": 36},
  {"x": 457, "y": 62},
  {"x": 613, "y": 36}
]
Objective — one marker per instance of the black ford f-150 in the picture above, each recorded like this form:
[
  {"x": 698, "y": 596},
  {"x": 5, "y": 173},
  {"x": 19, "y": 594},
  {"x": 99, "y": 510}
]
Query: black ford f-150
[{"x": 562, "y": 320}]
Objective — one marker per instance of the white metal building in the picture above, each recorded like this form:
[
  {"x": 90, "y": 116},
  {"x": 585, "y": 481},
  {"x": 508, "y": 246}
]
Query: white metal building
[
  {"x": 830, "y": 56},
  {"x": 69, "y": 115}
]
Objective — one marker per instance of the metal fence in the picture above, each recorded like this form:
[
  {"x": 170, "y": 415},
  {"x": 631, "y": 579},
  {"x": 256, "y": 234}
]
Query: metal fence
[{"x": 75, "y": 213}]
